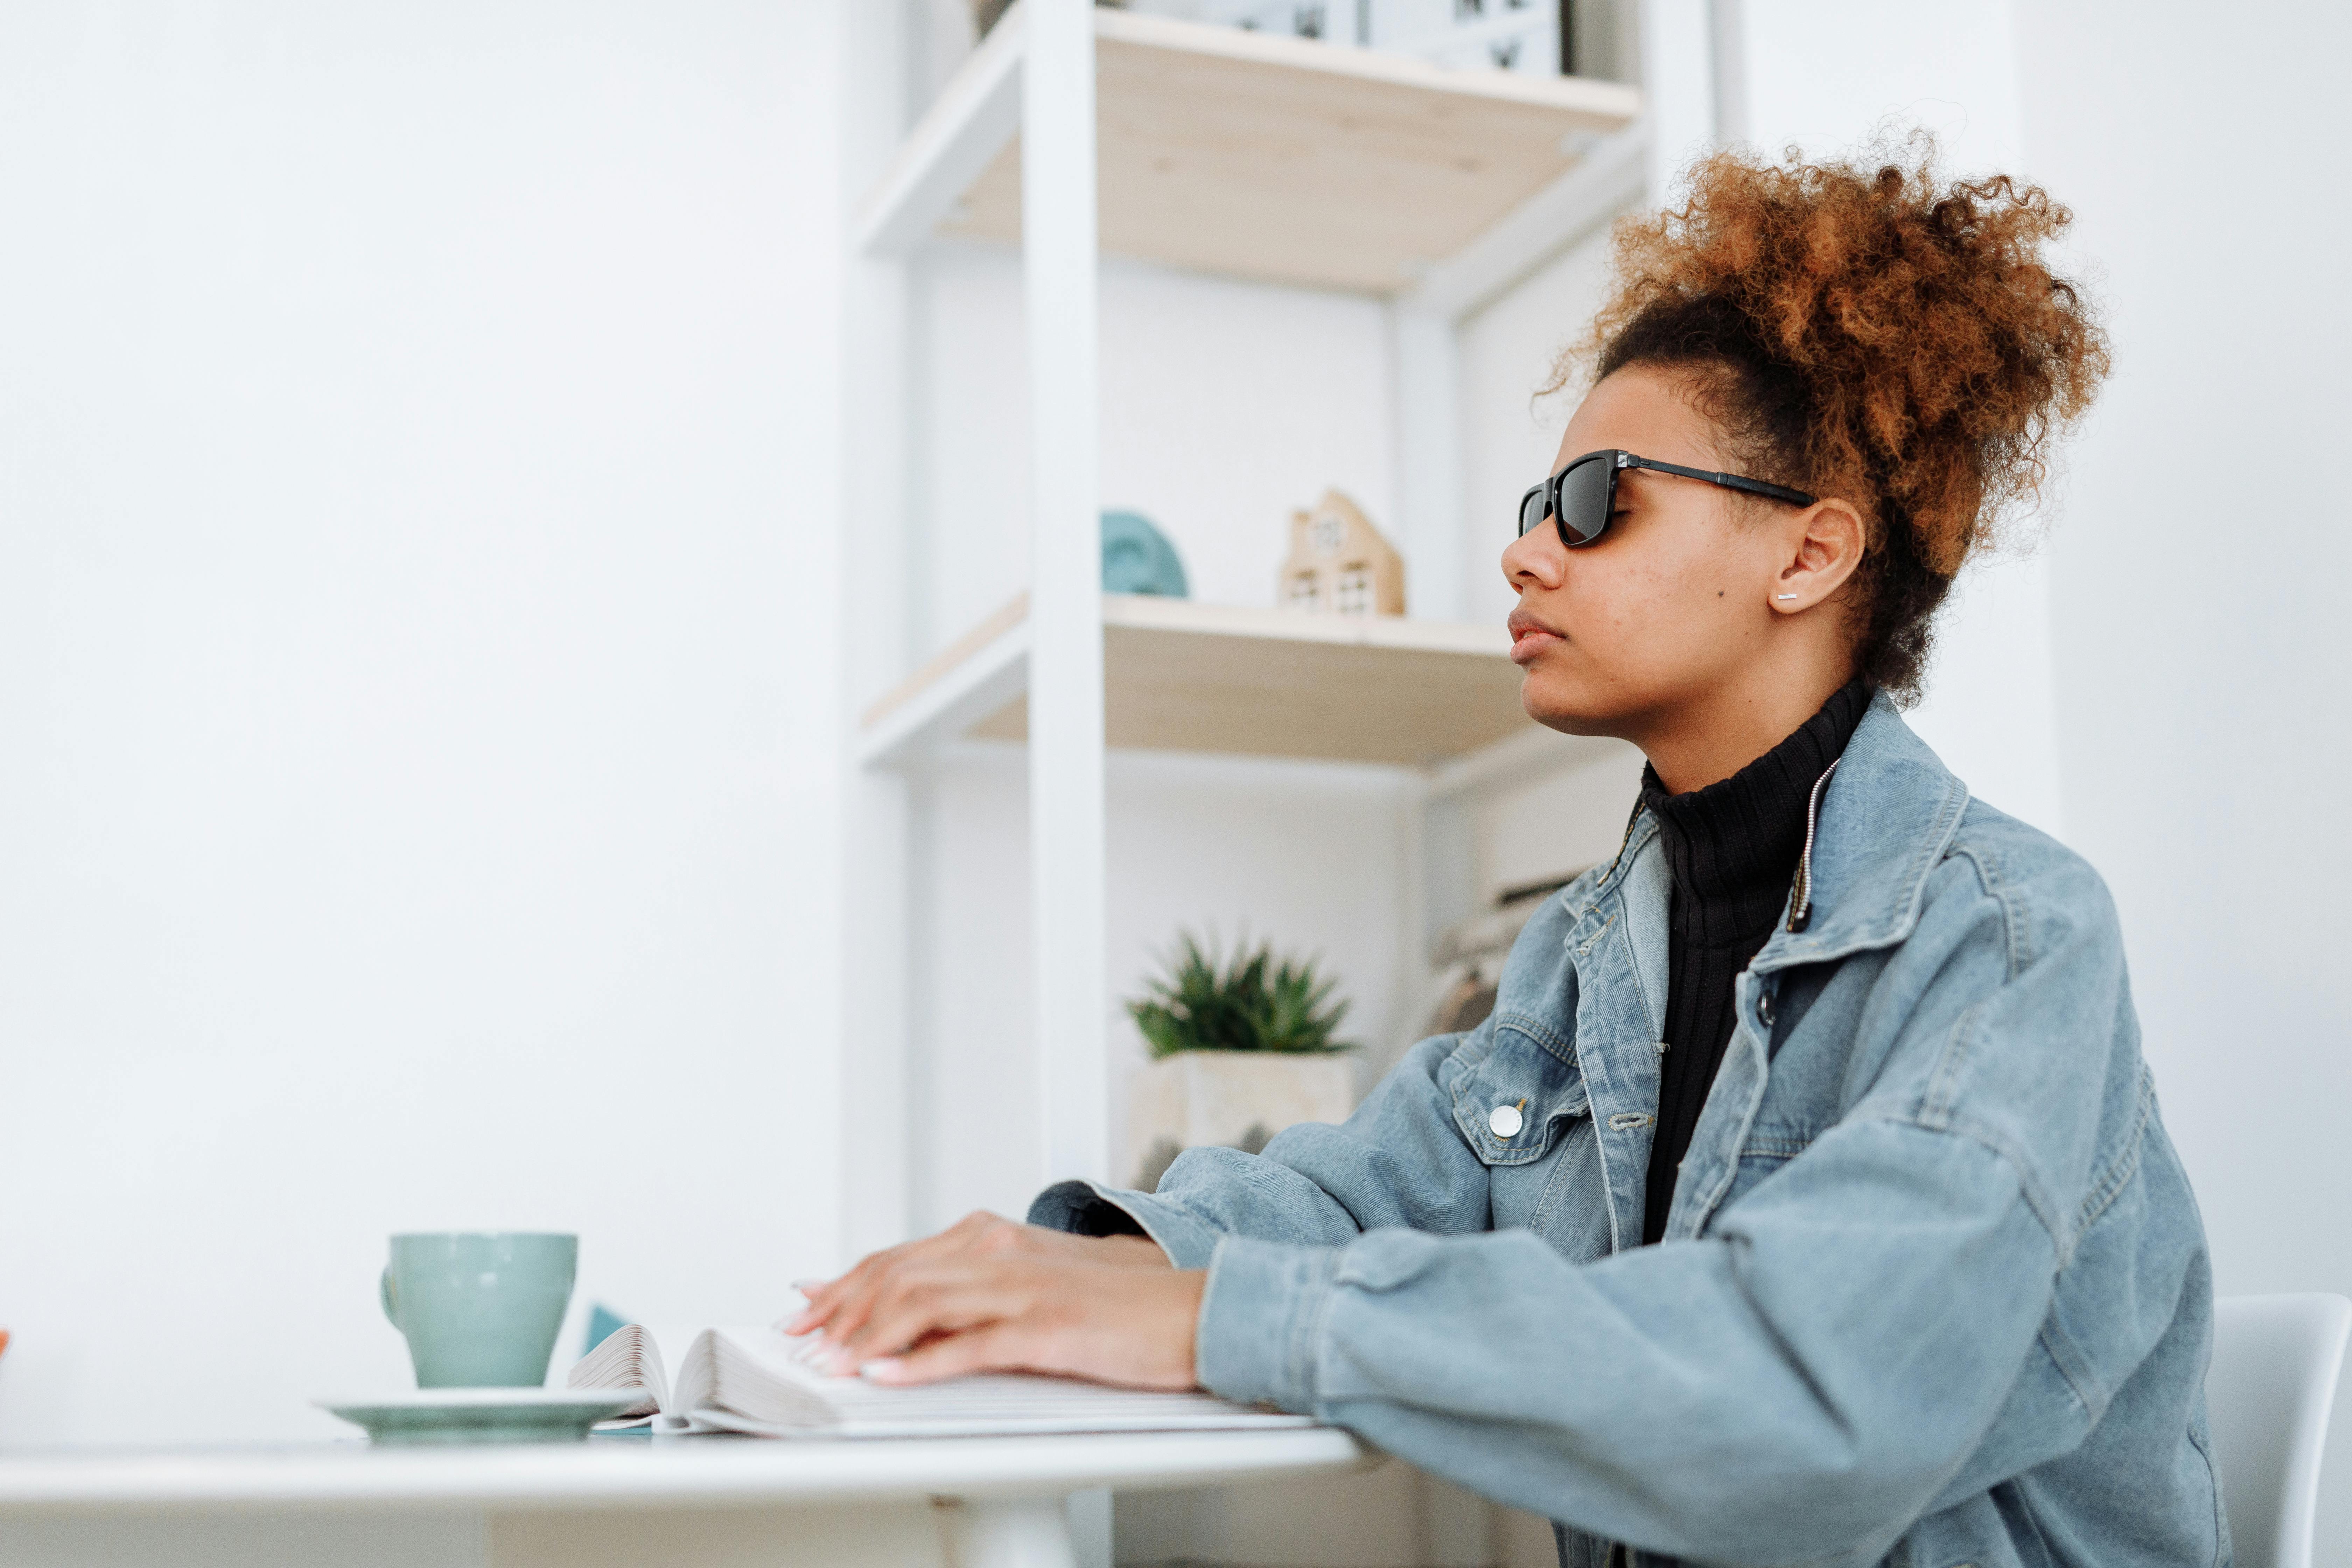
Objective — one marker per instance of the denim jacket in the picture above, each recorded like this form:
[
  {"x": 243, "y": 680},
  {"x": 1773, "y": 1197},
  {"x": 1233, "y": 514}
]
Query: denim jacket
[{"x": 1934, "y": 1290}]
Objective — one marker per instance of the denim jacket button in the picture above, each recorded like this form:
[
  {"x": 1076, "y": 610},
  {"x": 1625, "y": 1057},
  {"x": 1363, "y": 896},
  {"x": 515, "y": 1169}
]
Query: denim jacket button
[
  {"x": 1505, "y": 1122},
  {"x": 1764, "y": 1008}
]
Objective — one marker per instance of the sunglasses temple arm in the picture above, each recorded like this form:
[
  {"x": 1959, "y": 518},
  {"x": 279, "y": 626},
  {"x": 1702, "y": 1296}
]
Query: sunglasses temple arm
[
  {"x": 1760, "y": 487},
  {"x": 1729, "y": 481}
]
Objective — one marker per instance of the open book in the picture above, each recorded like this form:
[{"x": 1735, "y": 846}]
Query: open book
[{"x": 759, "y": 1381}]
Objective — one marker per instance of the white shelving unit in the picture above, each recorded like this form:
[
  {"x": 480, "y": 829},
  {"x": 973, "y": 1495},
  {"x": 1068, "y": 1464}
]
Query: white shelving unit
[{"x": 1077, "y": 131}]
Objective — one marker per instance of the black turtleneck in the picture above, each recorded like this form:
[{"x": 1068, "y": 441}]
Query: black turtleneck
[{"x": 1732, "y": 851}]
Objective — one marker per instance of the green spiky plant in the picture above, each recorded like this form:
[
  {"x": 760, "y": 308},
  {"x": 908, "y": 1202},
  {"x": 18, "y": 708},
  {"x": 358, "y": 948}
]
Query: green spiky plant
[{"x": 1254, "y": 1001}]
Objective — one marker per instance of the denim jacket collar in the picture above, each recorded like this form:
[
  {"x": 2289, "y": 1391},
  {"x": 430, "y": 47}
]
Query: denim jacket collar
[{"x": 1886, "y": 819}]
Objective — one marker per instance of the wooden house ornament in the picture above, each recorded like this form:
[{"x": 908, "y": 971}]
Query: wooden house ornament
[{"x": 1340, "y": 564}]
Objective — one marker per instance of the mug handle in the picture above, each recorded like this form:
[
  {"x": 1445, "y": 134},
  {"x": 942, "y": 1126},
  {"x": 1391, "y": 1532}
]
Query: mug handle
[{"x": 391, "y": 1300}]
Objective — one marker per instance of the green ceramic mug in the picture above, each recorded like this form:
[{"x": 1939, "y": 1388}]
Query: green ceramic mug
[{"x": 479, "y": 1309}]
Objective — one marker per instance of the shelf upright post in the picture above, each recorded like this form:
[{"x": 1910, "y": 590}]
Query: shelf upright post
[
  {"x": 1425, "y": 365},
  {"x": 876, "y": 1189},
  {"x": 1066, "y": 675}
]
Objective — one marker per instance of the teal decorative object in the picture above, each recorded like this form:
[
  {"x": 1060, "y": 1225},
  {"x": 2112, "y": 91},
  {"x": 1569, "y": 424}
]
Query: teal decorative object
[
  {"x": 1137, "y": 559},
  {"x": 602, "y": 1323}
]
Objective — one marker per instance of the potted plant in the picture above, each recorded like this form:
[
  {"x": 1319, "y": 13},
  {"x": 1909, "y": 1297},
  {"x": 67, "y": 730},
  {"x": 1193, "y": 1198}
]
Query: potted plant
[{"x": 1241, "y": 1049}]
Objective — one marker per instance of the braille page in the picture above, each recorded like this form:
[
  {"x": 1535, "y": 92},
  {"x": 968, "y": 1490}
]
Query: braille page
[{"x": 756, "y": 1380}]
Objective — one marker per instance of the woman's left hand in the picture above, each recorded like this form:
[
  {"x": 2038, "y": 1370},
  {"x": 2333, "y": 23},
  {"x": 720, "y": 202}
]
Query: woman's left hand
[{"x": 934, "y": 1317}]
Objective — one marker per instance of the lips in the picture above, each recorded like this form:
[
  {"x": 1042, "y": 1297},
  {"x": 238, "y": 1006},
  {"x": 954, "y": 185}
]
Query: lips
[{"x": 1530, "y": 636}]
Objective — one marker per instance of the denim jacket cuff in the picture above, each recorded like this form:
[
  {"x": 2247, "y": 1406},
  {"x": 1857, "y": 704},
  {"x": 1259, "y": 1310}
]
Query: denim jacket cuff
[
  {"x": 1256, "y": 1338},
  {"x": 1186, "y": 1239}
]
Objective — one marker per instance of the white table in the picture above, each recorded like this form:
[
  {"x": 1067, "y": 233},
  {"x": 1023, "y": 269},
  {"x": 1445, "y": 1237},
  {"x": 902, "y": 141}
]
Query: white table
[{"x": 1012, "y": 1491}]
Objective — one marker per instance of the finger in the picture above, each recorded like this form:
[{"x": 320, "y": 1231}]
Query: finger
[
  {"x": 916, "y": 1304},
  {"x": 942, "y": 1299},
  {"x": 994, "y": 1348},
  {"x": 842, "y": 1301},
  {"x": 862, "y": 1287},
  {"x": 848, "y": 1309},
  {"x": 837, "y": 1304},
  {"x": 820, "y": 1299},
  {"x": 808, "y": 1290}
]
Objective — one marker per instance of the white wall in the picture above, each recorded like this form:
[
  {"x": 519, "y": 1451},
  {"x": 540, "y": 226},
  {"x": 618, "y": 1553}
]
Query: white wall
[
  {"x": 2197, "y": 579},
  {"x": 417, "y": 670}
]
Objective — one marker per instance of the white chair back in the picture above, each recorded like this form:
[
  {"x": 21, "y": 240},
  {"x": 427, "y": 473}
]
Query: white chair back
[{"x": 2267, "y": 1396}]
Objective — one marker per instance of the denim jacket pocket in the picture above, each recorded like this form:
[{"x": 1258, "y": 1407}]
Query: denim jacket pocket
[{"x": 1514, "y": 1089}]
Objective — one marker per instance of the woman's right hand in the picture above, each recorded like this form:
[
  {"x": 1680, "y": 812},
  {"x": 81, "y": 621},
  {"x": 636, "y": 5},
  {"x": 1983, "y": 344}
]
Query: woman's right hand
[{"x": 840, "y": 1306}]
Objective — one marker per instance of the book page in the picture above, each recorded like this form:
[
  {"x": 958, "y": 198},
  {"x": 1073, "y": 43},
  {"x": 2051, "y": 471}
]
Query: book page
[
  {"x": 630, "y": 1357},
  {"x": 757, "y": 1380}
]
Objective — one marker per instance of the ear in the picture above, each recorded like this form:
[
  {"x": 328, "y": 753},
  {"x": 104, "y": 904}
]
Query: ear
[{"x": 1824, "y": 545}]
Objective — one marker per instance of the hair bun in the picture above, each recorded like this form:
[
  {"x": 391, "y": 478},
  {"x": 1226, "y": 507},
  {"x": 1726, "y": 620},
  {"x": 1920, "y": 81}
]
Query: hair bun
[{"x": 1894, "y": 338}]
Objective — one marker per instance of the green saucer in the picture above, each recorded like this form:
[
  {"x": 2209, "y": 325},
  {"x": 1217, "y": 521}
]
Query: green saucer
[{"x": 483, "y": 1414}]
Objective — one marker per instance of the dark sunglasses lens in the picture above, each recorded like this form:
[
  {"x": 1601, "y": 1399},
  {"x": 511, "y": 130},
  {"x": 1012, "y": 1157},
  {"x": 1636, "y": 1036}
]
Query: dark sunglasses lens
[
  {"x": 1532, "y": 509},
  {"x": 1584, "y": 500}
]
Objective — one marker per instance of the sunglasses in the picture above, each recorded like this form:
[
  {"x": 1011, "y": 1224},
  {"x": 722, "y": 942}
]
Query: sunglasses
[{"x": 1582, "y": 497}]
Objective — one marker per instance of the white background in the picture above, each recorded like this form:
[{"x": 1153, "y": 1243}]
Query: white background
[
  {"x": 416, "y": 675},
  {"x": 419, "y": 541}
]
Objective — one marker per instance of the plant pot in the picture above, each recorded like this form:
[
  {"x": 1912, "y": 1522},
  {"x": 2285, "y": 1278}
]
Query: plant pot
[{"x": 1238, "y": 1098}]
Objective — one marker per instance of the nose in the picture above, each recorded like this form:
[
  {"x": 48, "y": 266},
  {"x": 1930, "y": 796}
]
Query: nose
[{"x": 1535, "y": 559}]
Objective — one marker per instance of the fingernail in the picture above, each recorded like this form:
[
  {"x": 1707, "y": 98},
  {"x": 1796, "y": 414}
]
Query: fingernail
[
  {"x": 886, "y": 1370},
  {"x": 840, "y": 1363},
  {"x": 795, "y": 1324},
  {"x": 806, "y": 1286}
]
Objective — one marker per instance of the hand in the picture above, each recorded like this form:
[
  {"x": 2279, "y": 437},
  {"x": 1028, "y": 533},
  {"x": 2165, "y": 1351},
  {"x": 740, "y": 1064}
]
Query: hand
[
  {"x": 840, "y": 1306},
  {"x": 987, "y": 1294}
]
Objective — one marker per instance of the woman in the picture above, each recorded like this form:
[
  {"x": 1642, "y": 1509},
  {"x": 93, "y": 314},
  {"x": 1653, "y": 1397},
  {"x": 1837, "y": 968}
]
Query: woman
[{"x": 1804, "y": 1198}]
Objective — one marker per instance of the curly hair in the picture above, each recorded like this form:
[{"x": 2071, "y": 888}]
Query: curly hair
[{"x": 1877, "y": 335}]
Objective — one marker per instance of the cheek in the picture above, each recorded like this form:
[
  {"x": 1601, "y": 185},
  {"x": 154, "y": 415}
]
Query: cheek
[
  {"x": 1624, "y": 605},
  {"x": 1658, "y": 617}
]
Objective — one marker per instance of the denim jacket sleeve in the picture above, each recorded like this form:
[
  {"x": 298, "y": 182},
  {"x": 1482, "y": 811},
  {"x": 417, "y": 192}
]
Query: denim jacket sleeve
[
  {"x": 1396, "y": 1162},
  {"x": 1799, "y": 1382}
]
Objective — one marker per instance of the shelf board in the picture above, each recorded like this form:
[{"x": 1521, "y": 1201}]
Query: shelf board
[
  {"x": 1255, "y": 155},
  {"x": 1184, "y": 675}
]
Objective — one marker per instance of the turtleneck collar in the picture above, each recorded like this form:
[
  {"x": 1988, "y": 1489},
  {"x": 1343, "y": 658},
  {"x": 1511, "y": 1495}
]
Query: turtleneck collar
[{"x": 1732, "y": 847}]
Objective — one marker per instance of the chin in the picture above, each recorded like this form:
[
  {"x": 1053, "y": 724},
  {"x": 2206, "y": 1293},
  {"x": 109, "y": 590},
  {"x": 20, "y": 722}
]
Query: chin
[
  {"x": 1561, "y": 705},
  {"x": 1546, "y": 704}
]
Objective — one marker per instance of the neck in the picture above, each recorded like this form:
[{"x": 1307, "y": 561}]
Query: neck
[{"x": 1715, "y": 733}]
